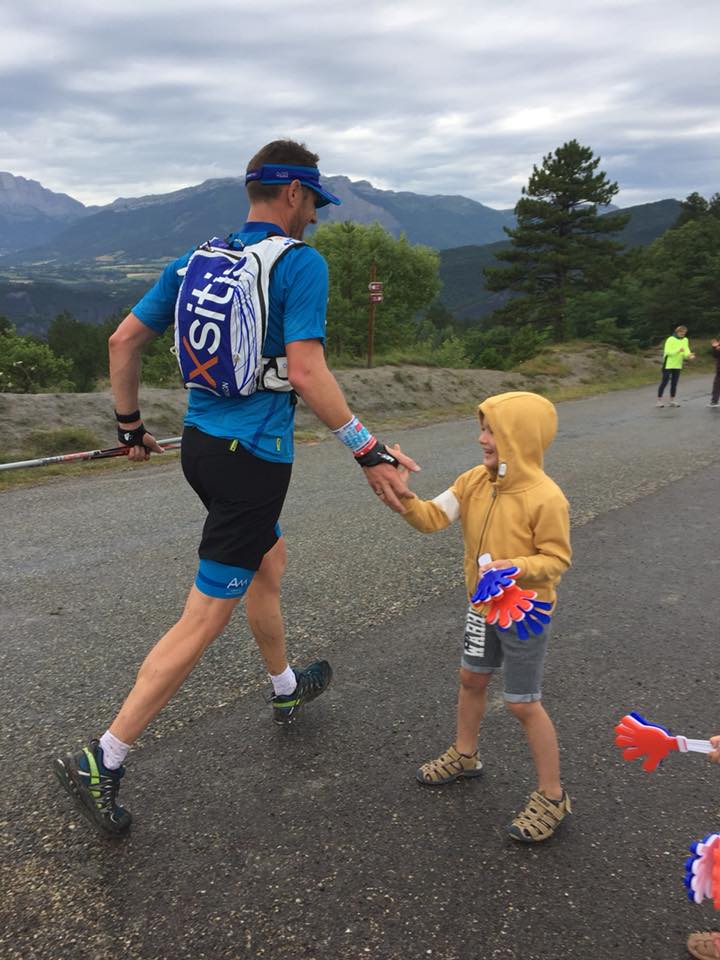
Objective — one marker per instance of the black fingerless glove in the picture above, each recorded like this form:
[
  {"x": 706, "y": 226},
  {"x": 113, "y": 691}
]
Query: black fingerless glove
[
  {"x": 132, "y": 438},
  {"x": 376, "y": 455}
]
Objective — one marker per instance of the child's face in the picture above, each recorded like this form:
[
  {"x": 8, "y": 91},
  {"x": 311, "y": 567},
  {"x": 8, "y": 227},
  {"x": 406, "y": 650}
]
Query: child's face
[{"x": 487, "y": 442}]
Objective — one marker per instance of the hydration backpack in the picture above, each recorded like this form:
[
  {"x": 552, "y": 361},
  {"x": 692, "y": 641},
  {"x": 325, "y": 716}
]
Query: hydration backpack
[{"x": 221, "y": 315}]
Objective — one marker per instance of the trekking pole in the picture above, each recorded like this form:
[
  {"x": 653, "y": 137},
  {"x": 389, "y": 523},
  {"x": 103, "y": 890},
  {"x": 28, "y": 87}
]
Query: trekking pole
[{"x": 171, "y": 443}]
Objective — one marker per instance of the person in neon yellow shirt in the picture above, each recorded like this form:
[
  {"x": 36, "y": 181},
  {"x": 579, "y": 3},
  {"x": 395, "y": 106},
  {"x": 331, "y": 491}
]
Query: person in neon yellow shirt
[{"x": 675, "y": 352}]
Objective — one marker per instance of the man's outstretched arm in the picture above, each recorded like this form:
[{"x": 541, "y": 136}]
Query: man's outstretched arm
[
  {"x": 309, "y": 375},
  {"x": 125, "y": 348}
]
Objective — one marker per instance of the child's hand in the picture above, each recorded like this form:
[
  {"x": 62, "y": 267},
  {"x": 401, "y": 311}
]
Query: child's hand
[
  {"x": 499, "y": 565},
  {"x": 715, "y": 755},
  {"x": 691, "y": 356},
  {"x": 402, "y": 470}
]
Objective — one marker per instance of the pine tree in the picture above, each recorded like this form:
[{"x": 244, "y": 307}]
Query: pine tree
[
  {"x": 696, "y": 207},
  {"x": 560, "y": 245}
]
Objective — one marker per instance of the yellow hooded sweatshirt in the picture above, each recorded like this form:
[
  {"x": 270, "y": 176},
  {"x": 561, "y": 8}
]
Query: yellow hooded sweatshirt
[{"x": 520, "y": 515}]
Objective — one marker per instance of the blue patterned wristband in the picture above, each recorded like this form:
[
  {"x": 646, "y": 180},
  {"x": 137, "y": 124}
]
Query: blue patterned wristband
[{"x": 355, "y": 436}]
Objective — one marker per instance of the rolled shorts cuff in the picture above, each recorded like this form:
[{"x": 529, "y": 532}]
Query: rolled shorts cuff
[
  {"x": 522, "y": 697},
  {"x": 472, "y": 668}
]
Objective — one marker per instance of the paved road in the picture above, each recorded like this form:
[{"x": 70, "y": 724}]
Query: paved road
[{"x": 315, "y": 842}]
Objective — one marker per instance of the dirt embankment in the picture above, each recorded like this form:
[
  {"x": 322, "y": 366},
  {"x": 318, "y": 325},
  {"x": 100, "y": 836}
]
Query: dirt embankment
[{"x": 405, "y": 394}]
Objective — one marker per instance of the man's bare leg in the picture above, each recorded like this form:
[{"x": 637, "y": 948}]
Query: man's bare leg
[
  {"x": 292, "y": 688},
  {"x": 262, "y": 602},
  {"x": 170, "y": 661}
]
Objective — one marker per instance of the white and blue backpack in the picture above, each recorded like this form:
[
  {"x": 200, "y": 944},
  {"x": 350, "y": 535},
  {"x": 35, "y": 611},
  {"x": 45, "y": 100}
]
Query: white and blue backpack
[{"x": 221, "y": 316}]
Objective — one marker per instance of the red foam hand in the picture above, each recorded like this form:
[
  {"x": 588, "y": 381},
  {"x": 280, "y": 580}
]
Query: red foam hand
[
  {"x": 716, "y": 878},
  {"x": 511, "y": 606},
  {"x": 638, "y": 740}
]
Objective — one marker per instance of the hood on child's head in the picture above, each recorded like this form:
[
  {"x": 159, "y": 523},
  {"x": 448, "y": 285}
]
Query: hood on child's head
[{"x": 523, "y": 425}]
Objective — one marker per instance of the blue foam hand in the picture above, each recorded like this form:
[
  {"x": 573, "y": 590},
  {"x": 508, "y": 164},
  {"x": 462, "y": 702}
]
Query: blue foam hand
[
  {"x": 688, "y": 877},
  {"x": 641, "y": 719},
  {"x": 698, "y": 878},
  {"x": 542, "y": 605},
  {"x": 492, "y": 584},
  {"x": 536, "y": 621}
]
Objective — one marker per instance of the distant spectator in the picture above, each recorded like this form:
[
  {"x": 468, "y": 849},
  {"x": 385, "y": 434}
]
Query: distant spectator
[{"x": 675, "y": 352}]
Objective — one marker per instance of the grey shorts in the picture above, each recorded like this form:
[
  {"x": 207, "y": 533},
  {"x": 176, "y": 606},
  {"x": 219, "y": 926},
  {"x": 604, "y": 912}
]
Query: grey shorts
[{"x": 487, "y": 649}]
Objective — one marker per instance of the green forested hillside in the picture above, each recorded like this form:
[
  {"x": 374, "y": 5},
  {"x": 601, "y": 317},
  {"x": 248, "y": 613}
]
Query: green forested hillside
[
  {"x": 464, "y": 291},
  {"x": 91, "y": 289},
  {"x": 32, "y": 306}
]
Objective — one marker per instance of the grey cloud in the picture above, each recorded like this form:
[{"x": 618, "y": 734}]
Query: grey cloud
[{"x": 144, "y": 98}]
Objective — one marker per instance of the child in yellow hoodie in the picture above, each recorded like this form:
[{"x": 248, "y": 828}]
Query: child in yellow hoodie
[{"x": 512, "y": 515}]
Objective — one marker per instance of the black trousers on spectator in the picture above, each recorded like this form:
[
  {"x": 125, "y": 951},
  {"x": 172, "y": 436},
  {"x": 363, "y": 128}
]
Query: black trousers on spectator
[{"x": 669, "y": 375}]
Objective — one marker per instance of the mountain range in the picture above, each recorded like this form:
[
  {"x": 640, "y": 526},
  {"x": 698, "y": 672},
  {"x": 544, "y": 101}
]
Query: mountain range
[
  {"x": 57, "y": 254},
  {"x": 36, "y": 223}
]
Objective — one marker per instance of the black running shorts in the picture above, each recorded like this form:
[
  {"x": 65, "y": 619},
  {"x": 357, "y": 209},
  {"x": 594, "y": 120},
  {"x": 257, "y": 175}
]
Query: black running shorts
[{"x": 243, "y": 494}]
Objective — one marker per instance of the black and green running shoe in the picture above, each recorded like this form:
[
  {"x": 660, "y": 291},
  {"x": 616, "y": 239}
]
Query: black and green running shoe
[
  {"x": 311, "y": 682},
  {"x": 94, "y": 788}
]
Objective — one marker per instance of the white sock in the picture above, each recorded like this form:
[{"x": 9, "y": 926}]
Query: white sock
[
  {"x": 285, "y": 682},
  {"x": 114, "y": 750}
]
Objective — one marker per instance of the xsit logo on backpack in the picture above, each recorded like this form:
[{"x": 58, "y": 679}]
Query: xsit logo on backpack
[{"x": 221, "y": 318}]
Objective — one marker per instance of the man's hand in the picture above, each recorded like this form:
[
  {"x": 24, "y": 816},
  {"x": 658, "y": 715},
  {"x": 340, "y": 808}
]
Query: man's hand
[
  {"x": 715, "y": 755},
  {"x": 140, "y": 452},
  {"x": 390, "y": 483}
]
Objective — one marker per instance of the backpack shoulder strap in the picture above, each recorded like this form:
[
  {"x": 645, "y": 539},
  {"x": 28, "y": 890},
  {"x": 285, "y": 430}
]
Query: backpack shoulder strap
[{"x": 272, "y": 248}]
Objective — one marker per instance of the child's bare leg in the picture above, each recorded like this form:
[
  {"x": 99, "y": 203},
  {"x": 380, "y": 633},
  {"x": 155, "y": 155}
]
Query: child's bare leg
[
  {"x": 543, "y": 744},
  {"x": 470, "y": 709}
]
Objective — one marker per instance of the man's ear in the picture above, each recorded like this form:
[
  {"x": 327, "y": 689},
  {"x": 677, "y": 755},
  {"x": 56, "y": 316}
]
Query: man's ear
[{"x": 295, "y": 193}]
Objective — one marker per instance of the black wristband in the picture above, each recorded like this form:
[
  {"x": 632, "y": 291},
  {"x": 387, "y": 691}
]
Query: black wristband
[
  {"x": 132, "y": 438},
  {"x": 128, "y": 417},
  {"x": 377, "y": 455}
]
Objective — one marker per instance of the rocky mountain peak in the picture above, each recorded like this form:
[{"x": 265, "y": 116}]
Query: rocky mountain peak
[{"x": 19, "y": 195}]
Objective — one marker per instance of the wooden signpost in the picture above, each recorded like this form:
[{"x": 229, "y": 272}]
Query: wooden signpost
[{"x": 375, "y": 296}]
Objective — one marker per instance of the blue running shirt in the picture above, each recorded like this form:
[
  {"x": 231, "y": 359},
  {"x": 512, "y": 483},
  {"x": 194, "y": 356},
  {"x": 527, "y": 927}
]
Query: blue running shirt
[{"x": 264, "y": 421}]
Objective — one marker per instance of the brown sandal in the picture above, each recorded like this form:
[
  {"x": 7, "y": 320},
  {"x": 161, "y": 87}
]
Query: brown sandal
[
  {"x": 450, "y": 766},
  {"x": 705, "y": 945},
  {"x": 540, "y": 818}
]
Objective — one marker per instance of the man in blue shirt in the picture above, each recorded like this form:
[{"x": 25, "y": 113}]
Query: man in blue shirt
[{"x": 237, "y": 455}]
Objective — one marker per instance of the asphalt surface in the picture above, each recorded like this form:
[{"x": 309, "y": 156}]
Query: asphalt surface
[{"x": 316, "y": 841}]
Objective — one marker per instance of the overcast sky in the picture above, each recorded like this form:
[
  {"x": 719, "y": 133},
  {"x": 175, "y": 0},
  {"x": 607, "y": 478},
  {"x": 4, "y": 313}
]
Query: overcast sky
[{"x": 101, "y": 99}]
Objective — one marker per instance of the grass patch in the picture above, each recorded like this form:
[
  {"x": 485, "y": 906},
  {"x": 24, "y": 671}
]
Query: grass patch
[
  {"x": 544, "y": 365},
  {"x": 48, "y": 443},
  {"x": 34, "y": 475}
]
